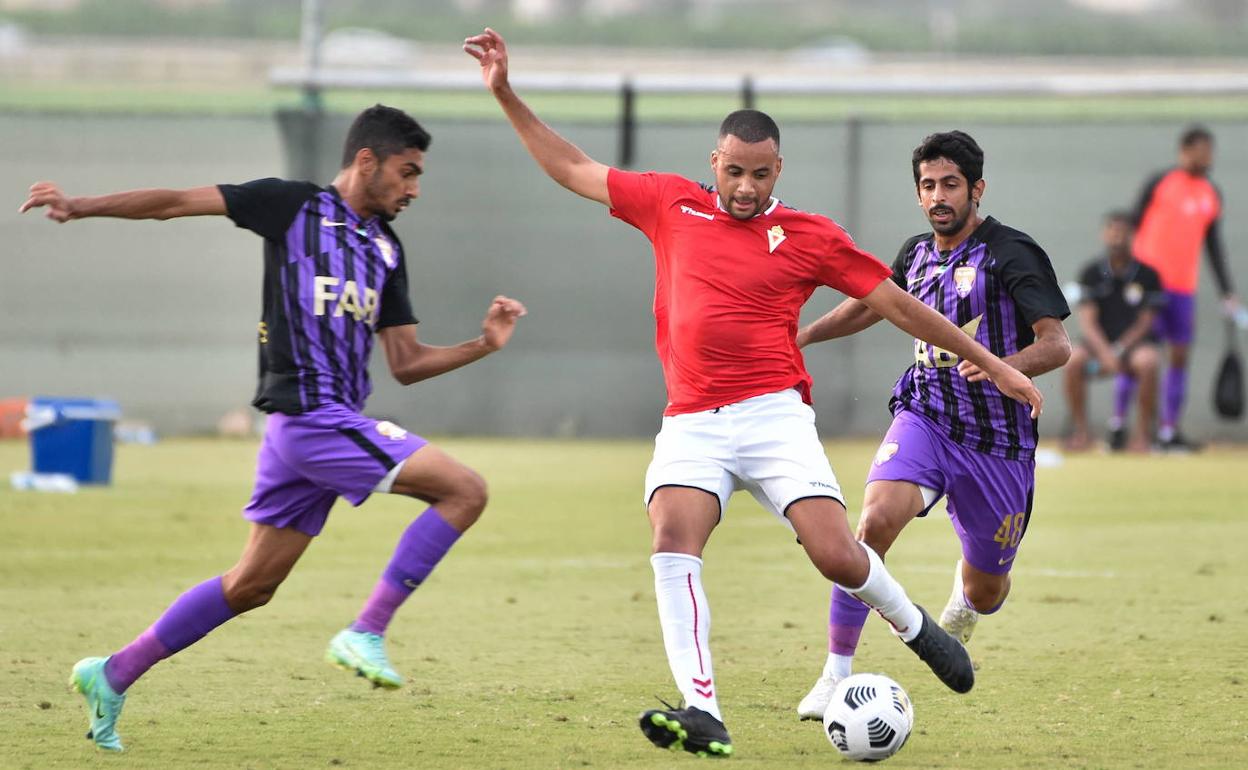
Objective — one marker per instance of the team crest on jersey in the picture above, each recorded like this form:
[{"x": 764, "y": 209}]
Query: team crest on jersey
[
  {"x": 387, "y": 251},
  {"x": 886, "y": 452},
  {"x": 775, "y": 237},
  {"x": 1133, "y": 293},
  {"x": 391, "y": 431},
  {"x": 964, "y": 280}
]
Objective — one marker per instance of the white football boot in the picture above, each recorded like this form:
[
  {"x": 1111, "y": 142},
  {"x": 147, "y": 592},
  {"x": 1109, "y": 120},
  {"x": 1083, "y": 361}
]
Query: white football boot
[
  {"x": 817, "y": 700},
  {"x": 958, "y": 619}
]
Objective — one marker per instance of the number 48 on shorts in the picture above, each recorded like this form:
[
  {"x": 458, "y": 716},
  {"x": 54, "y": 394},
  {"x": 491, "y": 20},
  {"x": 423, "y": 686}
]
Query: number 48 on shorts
[{"x": 1010, "y": 533}]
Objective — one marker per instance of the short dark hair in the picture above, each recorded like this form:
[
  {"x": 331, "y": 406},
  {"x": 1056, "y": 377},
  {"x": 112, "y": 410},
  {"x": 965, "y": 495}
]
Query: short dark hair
[
  {"x": 750, "y": 126},
  {"x": 956, "y": 146},
  {"x": 1195, "y": 134},
  {"x": 1120, "y": 215},
  {"x": 385, "y": 131}
]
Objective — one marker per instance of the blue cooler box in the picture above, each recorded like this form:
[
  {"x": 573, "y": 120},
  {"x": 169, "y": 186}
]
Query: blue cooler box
[{"x": 74, "y": 436}]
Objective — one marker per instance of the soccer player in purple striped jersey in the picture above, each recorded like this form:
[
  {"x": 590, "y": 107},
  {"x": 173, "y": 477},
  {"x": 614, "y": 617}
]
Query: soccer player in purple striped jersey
[
  {"x": 334, "y": 276},
  {"x": 954, "y": 435}
]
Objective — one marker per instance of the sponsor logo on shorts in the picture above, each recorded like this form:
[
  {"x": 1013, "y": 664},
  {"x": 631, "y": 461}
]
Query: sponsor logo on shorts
[
  {"x": 886, "y": 452},
  {"x": 824, "y": 485},
  {"x": 391, "y": 431},
  {"x": 1005, "y": 561}
]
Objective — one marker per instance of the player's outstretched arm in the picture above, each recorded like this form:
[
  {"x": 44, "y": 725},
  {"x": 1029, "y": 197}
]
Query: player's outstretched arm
[
  {"x": 917, "y": 319},
  {"x": 411, "y": 360},
  {"x": 562, "y": 161},
  {"x": 849, "y": 317},
  {"x": 134, "y": 204}
]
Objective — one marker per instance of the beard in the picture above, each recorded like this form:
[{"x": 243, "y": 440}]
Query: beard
[{"x": 956, "y": 222}]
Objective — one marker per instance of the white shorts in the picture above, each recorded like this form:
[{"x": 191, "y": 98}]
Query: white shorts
[{"x": 766, "y": 444}]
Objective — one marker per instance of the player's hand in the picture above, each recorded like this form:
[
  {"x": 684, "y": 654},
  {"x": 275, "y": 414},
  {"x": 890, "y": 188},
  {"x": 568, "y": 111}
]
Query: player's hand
[
  {"x": 500, "y": 321},
  {"x": 47, "y": 194},
  {"x": 490, "y": 51},
  {"x": 1110, "y": 363},
  {"x": 1235, "y": 310},
  {"x": 1010, "y": 382}
]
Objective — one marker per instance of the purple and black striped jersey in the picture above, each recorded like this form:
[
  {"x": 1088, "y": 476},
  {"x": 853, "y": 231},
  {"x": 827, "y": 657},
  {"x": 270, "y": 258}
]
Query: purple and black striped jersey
[
  {"x": 994, "y": 286},
  {"x": 331, "y": 280}
]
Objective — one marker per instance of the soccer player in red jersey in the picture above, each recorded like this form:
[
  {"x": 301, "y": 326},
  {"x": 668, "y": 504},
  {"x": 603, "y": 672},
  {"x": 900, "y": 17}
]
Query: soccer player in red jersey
[{"x": 733, "y": 268}]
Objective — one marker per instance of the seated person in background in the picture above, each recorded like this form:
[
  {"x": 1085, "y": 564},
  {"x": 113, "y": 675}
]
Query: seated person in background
[{"x": 1119, "y": 297}]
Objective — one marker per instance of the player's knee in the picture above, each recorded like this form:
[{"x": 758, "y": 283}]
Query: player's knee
[
  {"x": 468, "y": 499},
  {"x": 1144, "y": 361},
  {"x": 876, "y": 531}
]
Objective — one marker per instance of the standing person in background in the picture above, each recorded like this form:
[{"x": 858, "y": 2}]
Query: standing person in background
[
  {"x": 1118, "y": 302},
  {"x": 335, "y": 280},
  {"x": 1178, "y": 211}
]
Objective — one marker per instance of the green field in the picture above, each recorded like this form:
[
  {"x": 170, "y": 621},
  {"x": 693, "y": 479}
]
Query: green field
[{"x": 536, "y": 644}]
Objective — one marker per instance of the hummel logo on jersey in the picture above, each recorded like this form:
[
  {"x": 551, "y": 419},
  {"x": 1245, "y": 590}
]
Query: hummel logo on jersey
[
  {"x": 325, "y": 222},
  {"x": 775, "y": 237},
  {"x": 696, "y": 213}
]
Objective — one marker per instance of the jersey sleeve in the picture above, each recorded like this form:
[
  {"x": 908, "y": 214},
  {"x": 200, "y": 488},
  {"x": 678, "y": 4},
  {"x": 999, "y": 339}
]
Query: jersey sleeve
[
  {"x": 1089, "y": 277},
  {"x": 1029, "y": 278},
  {"x": 1146, "y": 196},
  {"x": 637, "y": 198},
  {"x": 847, "y": 268},
  {"x": 901, "y": 265},
  {"x": 1217, "y": 254},
  {"x": 266, "y": 206},
  {"x": 396, "y": 306}
]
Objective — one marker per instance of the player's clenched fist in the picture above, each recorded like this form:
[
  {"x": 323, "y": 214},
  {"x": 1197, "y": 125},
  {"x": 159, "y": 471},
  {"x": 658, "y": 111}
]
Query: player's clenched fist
[
  {"x": 60, "y": 209},
  {"x": 500, "y": 321}
]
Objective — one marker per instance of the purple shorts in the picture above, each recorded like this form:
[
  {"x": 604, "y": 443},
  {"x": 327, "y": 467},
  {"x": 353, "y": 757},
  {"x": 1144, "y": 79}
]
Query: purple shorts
[
  {"x": 989, "y": 498},
  {"x": 1176, "y": 320},
  {"x": 308, "y": 460}
]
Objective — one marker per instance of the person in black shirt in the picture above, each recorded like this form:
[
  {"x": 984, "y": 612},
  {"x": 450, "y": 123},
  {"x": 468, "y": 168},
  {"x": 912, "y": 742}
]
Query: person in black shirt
[{"x": 1119, "y": 298}]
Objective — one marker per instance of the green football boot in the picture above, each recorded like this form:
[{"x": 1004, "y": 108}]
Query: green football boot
[
  {"x": 365, "y": 654},
  {"x": 103, "y": 705}
]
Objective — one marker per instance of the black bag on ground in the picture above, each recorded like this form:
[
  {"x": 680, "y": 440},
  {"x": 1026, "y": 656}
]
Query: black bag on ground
[{"x": 1228, "y": 386}]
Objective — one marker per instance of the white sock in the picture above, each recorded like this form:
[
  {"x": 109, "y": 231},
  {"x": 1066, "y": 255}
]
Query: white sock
[
  {"x": 886, "y": 596},
  {"x": 686, "y": 622},
  {"x": 838, "y": 666}
]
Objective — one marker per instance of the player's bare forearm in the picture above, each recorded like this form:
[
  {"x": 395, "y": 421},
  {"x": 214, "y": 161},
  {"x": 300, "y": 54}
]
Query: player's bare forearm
[
  {"x": 1137, "y": 331},
  {"x": 411, "y": 360},
  {"x": 1093, "y": 335},
  {"x": 562, "y": 161},
  {"x": 918, "y": 320},
  {"x": 132, "y": 204},
  {"x": 1049, "y": 351},
  {"x": 849, "y": 317},
  {"x": 419, "y": 361}
]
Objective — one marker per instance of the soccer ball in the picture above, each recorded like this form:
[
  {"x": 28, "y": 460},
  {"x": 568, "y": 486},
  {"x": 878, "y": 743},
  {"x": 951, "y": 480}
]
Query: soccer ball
[{"x": 869, "y": 719}]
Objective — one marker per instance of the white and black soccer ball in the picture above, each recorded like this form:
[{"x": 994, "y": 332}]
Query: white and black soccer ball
[{"x": 869, "y": 719}]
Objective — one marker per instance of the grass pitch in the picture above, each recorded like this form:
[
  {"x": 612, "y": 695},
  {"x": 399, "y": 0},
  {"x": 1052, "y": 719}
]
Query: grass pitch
[{"x": 536, "y": 643}]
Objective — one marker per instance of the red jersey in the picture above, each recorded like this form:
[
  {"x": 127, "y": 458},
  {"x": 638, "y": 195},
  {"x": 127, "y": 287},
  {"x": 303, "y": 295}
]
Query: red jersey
[
  {"x": 727, "y": 292},
  {"x": 1177, "y": 212}
]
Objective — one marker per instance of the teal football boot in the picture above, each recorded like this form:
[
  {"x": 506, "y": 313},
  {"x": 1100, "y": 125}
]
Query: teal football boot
[
  {"x": 103, "y": 705},
  {"x": 365, "y": 654}
]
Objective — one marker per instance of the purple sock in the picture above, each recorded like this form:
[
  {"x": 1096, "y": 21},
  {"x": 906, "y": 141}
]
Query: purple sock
[
  {"x": 1124, "y": 389},
  {"x": 846, "y": 617},
  {"x": 425, "y": 541},
  {"x": 189, "y": 619},
  {"x": 1175, "y": 392}
]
